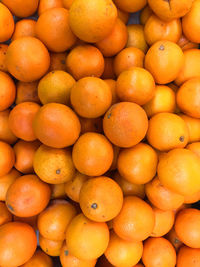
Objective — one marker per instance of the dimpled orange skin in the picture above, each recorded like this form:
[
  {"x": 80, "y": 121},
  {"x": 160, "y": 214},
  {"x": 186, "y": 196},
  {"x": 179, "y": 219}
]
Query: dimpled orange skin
[
  {"x": 27, "y": 196},
  {"x": 179, "y": 171},
  {"x": 56, "y": 125},
  {"x": 24, "y": 27},
  {"x": 92, "y": 154},
  {"x": 136, "y": 220},
  {"x": 21, "y": 63},
  {"x": 136, "y": 37},
  {"x": 7, "y": 23},
  {"x": 21, "y": 8},
  {"x": 6, "y": 134},
  {"x": 92, "y": 20},
  {"x": 164, "y": 61},
  {"x": 130, "y": 5},
  {"x": 193, "y": 125},
  {"x": 161, "y": 197},
  {"x": 44, "y": 5},
  {"x": 195, "y": 147},
  {"x": 188, "y": 257},
  {"x": 8, "y": 91},
  {"x": 39, "y": 259},
  {"x": 125, "y": 124},
  {"x": 86, "y": 239},
  {"x": 7, "y": 158},
  {"x": 3, "y": 50},
  {"x": 53, "y": 29},
  {"x": 18, "y": 243}
]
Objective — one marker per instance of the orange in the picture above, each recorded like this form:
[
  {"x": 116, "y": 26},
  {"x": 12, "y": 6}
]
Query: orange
[
  {"x": 61, "y": 121},
  {"x": 145, "y": 14},
  {"x": 130, "y": 189},
  {"x": 7, "y": 158},
  {"x": 130, "y": 5},
  {"x": 164, "y": 221},
  {"x": 27, "y": 92},
  {"x": 7, "y": 23},
  {"x": 123, "y": 15},
  {"x": 53, "y": 29},
  {"x": 188, "y": 257},
  {"x": 95, "y": 21},
  {"x": 87, "y": 234},
  {"x": 137, "y": 164},
  {"x": 174, "y": 240},
  {"x": 21, "y": 8},
  {"x": 164, "y": 60},
  {"x": 115, "y": 41},
  {"x": 91, "y": 97},
  {"x": 32, "y": 221},
  {"x": 136, "y": 37},
  {"x": 193, "y": 125},
  {"x": 158, "y": 250},
  {"x": 135, "y": 85},
  {"x": 54, "y": 220},
  {"x": 21, "y": 120},
  {"x": 50, "y": 247},
  {"x": 58, "y": 191},
  {"x": 6, "y": 181},
  {"x": 187, "y": 227},
  {"x": 91, "y": 125},
  {"x": 44, "y": 5},
  {"x": 101, "y": 199},
  {"x": 5, "y": 215},
  {"x": 167, "y": 131},
  {"x": 168, "y": 10},
  {"x": 190, "y": 23},
  {"x": 185, "y": 44},
  {"x": 179, "y": 171},
  {"x": 57, "y": 61},
  {"x": 68, "y": 259},
  {"x": 156, "y": 29},
  {"x": 6, "y": 134},
  {"x": 161, "y": 197},
  {"x": 8, "y": 91},
  {"x": 18, "y": 243},
  {"x": 24, "y": 153},
  {"x": 73, "y": 187},
  {"x": 39, "y": 259},
  {"x": 24, "y": 27},
  {"x": 190, "y": 67},
  {"x": 123, "y": 253},
  {"x": 188, "y": 98},
  {"x": 89, "y": 59},
  {"x": 53, "y": 165},
  {"x": 3, "y": 51},
  {"x": 195, "y": 147},
  {"x": 116, "y": 150},
  {"x": 55, "y": 87},
  {"x": 27, "y": 196},
  {"x": 67, "y": 3},
  {"x": 135, "y": 221},
  {"x": 125, "y": 124},
  {"x": 20, "y": 61},
  {"x": 92, "y": 154},
  {"x": 128, "y": 57},
  {"x": 112, "y": 85},
  {"x": 164, "y": 100},
  {"x": 108, "y": 72},
  {"x": 192, "y": 198}
]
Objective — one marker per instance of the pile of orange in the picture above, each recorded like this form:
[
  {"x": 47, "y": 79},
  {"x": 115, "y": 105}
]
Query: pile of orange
[{"x": 99, "y": 133}]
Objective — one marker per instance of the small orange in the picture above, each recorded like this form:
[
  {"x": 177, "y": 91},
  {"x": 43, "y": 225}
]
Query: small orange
[
  {"x": 24, "y": 153},
  {"x": 145, "y": 14},
  {"x": 61, "y": 121},
  {"x": 3, "y": 51},
  {"x": 164, "y": 100},
  {"x": 54, "y": 220},
  {"x": 173, "y": 239},
  {"x": 89, "y": 59},
  {"x": 7, "y": 158},
  {"x": 138, "y": 164},
  {"x": 73, "y": 187},
  {"x": 135, "y": 85},
  {"x": 91, "y": 125},
  {"x": 135, "y": 221},
  {"x": 96, "y": 20},
  {"x": 158, "y": 250},
  {"x": 115, "y": 41},
  {"x": 57, "y": 61},
  {"x": 108, "y": 72},
  {"x": 6, "y": 134},
  {"x": 156, "y": 29},
  {"x": 112, "y": 85},
  {"x": 24, "y": 27},
  {"x": 50, "y": 247},
  {"x": 195, "y": 147},
  {"x": 136, "y": 37},
  {"x": 5, "y": 215},
  {"x": 27, "y": 92},
  {"x": 91, "y": 97},
  {"x": 21, "y": 119},
  {"x": 7, "y": 23},
  {"x": 92, "y": 154},
  {"x": 161, "y": 197},
  {"x": 53, "y": 165},
  {"x": 130, "y": 5},
  {"x": 164, "y": 60},
  {"x": 125, "y": 124},
  {"x": 39, "y": 259},
  {"x": 27, "y": 196},
  {"x": 179, "y": 171},
  {"x": 21, "y": 9},
  {"x": 44, "y": 5},
  {"x": 167, "y": 131},
  {"x": 193, "y": 125},
  {"x": 123, "y": 253},
  {"x": 87, "y": 234},
  {"x": 188, "y": 257},
  {"x": 188, "y": 98},
  {"x": 123, "y": 15},
  {"x": 58, "y": 191},
  {"x": 185, "y": 44},
  {"x": 8, "y": 91},
  {"x": 128, "y": 57}
]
